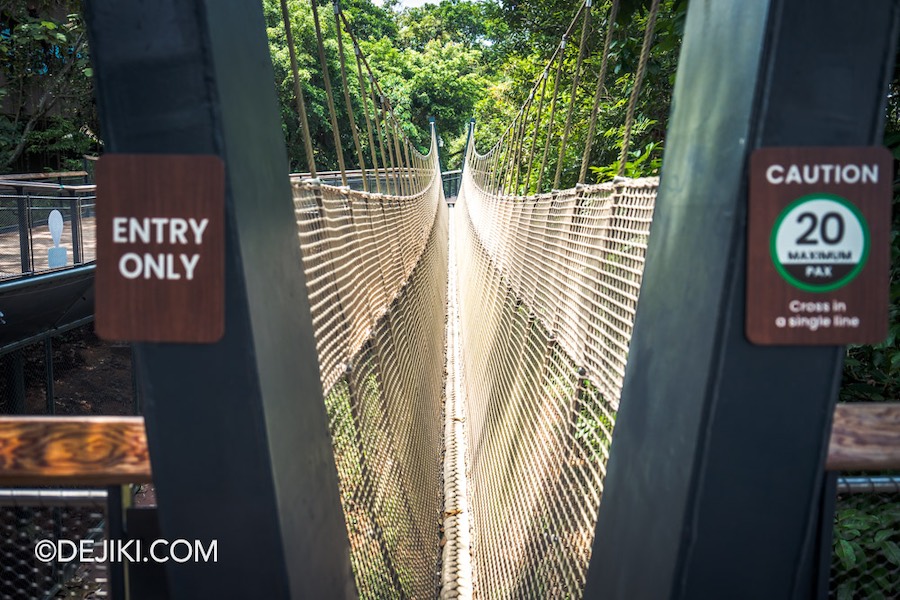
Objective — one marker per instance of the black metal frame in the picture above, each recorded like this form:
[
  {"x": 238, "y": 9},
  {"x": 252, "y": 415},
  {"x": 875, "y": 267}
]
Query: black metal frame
[{"x": 237, "y": 430}]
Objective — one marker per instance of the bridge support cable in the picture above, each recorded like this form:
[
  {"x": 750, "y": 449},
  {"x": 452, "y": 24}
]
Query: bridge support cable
[
  {"x": 576, "y": 79},
  {"x": 329, "y": 93},
  {"x": 598, "y": 93},
  {"x": 363, "y": 99},
  {"x": 346, "y": 88},
  {"x": 298, "y": 90},
  {"x": 638, "y": 81}
]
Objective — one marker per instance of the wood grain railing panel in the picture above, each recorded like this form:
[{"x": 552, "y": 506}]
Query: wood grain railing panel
[
  {"x": 73, "y": 451},
  {"x": 865, "y": 437},
  {"x": 113, "y": 450}
]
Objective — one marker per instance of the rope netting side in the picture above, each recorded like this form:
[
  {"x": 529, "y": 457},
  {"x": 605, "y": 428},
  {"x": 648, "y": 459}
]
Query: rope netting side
[
  {"x": 546, "y": 314},
  {"x": 376, "y": 269}
]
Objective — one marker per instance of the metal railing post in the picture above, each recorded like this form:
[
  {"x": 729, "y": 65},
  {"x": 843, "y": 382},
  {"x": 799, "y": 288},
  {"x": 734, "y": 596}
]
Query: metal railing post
[
  {"x": 24, "y": 229},
  {"x": 75, "y": 212}
]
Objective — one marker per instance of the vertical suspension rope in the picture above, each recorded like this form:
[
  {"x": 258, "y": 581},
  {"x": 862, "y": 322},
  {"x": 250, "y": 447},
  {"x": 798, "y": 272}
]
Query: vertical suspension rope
[
  {"x": 508, "y": 155},
  {"x": 601, "y": 79},
  {"x": 638, "y": 81},
  {"x": 562, "y": 51},
  {"x": 404, "y": 185},
  {"x": 329, "y": 93},
  {"x": 520, "y": 143},
  {"x": 537, "y": 126},
  {"x": 406, "y": 144},
  {"x": 346, "y": 87},
  {"x": 376, "y": 104},
  {"x": 298, "y": 92},
  {"x": 386, "y": 127},
  {"x": 576, "y": 79},
  {"x": 363, "y": 98}
]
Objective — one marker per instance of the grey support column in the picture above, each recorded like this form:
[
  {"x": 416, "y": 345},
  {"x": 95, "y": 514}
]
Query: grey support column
[
  {"x": 237, "y": 430},
  {"x": 717, "y": 461}
]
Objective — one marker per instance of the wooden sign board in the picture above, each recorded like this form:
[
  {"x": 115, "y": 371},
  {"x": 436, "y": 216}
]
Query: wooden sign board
[
  {"x": 818, "y": 245},
  {"x": 160, "y": 248}
]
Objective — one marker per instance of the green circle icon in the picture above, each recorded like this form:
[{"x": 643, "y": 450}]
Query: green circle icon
[{"x": 820, "y": 242}]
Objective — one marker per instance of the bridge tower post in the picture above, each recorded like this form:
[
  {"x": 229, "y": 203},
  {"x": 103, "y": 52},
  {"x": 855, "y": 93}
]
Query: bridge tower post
[
  {"x": 237, "y": 429},
  {"x": 716, "y": 476}
]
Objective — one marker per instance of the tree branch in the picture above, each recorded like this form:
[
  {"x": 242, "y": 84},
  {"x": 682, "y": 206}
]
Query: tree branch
[{"x": 47, "y": 101}]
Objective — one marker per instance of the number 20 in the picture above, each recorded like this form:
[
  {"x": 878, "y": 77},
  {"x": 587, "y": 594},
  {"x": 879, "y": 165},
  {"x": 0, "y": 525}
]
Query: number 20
[{"x": 813, "y": 220}]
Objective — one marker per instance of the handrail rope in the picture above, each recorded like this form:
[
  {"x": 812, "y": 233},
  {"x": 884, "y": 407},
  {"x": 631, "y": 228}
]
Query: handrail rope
[
  {"x": 298, "y": 92},
  {"x": 365, "y": 104},
  {"x": 329, "y": 93},
  {"x": 601, "y": 79},
  {"x": 576, "y": 79},
  {"x": 638, "y": 81},
  {"x": 346, "y": 88}
]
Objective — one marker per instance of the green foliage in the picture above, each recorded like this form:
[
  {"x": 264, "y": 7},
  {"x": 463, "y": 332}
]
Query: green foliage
[
  {"x": 421, "y": 76},
  {"x": 45, "y": 87},
  {"x": 866, "y": 555},
  {"x": 872, "y": 372},
  {"x": 536, "y": 27},
  {"x": 643, "y": 163}
]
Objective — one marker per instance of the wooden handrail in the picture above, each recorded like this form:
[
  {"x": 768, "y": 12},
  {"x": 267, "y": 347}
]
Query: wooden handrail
[
  {"x": 55, "y": 175},
  {"x": 113, "y": 450},
  {"x": 73, "y": 451},
  {"x": 865, "y": 437}
]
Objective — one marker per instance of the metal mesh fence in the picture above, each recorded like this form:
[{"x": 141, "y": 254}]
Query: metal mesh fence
[
  {"x": 49, "y": 515},
  {"x": 866, "y": 543},
  {"x": 548, "y": 289},
  {"x": 376, "y": 269},
  {"x": 71, "y": 373},
  {"x": 25, "y": 237}
]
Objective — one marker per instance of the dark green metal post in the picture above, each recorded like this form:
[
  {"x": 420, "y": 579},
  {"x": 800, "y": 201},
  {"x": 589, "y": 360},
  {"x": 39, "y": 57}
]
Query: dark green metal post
[
  {"x": 24, "y": 216},
  {"x": 717, "y": 464},
  {"x": 237, "y": 430}
]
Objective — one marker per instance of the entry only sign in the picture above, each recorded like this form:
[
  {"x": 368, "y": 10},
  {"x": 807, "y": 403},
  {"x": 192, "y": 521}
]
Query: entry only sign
[
  {"x": 160, "y": 248},
  {"x": 818, "y": 249}
]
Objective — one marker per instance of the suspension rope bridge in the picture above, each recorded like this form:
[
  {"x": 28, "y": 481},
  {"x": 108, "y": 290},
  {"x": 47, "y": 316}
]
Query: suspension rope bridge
[
  {"x": 470, "y": 362},
  {"x": 537, "y": 341}
]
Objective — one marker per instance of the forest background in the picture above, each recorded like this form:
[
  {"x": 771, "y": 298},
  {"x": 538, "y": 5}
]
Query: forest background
[{"x": 454, "y": 60}]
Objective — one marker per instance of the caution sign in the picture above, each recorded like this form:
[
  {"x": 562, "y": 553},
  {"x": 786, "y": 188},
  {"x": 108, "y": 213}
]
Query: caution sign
[
  {"x": 818, "y": 245},
  {"x": 160, "y": 248},
  {"x": 820, "y": 242}
]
